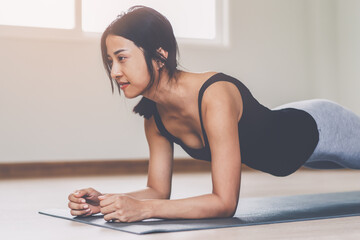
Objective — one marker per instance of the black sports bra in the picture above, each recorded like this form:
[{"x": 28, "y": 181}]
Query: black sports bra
[{"x": 274, "y": 141}]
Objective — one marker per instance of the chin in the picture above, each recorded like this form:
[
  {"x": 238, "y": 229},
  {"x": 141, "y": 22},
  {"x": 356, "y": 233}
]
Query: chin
[{"x": 130, "y": 96}]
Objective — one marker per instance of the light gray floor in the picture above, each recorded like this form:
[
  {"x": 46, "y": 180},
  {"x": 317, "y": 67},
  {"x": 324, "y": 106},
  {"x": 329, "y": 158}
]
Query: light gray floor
[{"x": 21, "y": 200}]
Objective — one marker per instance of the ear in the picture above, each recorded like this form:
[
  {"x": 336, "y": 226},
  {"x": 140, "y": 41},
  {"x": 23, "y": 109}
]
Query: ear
[
  {"x": 160, "y": 63},
  {"x": 163, "y": 52}
]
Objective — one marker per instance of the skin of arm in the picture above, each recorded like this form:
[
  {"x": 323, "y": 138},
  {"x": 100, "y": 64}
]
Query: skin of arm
[
  {"x": 160, "y": 164},
  {"x": 86, "y": 202},
  {"x": 220, "y": 118}
]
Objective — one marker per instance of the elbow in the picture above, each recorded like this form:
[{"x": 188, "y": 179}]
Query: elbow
[
  {"x": 227, "y": 206},
  {"x": 167, "y": 196},
  {"x": 228, "y": 210},
  {"x": 164, "y": 195}
]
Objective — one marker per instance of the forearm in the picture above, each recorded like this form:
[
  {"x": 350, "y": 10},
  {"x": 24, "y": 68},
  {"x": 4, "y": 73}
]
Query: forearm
[
  {"x": 147, "y": 193},
  {"x": 204, "y": 206}
]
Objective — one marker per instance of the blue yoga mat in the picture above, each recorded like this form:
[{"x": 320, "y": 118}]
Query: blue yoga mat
[{"x": 251, "y": 211}]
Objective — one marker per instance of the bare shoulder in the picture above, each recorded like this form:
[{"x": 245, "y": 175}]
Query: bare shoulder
[{"x": 222, "y": 95}]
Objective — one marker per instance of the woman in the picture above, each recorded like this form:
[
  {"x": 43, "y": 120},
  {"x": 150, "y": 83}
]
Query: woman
[{"x": 213, "y": 117}]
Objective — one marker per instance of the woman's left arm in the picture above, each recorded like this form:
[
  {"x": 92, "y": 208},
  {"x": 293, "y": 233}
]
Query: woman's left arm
[{"x": 220, "y": 119}]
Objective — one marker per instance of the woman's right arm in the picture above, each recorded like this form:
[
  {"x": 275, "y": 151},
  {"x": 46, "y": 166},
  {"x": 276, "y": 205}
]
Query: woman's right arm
[
  {"x": 85, "y": 202},
  {"x": 160, "y": 164}
]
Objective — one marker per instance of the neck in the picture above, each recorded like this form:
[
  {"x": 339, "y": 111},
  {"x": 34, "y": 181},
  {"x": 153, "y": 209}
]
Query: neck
[{"x": 169, "y": 93}]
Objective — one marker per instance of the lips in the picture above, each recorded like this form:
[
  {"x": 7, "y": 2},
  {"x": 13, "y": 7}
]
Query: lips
[{"x": 124, "y": 85}]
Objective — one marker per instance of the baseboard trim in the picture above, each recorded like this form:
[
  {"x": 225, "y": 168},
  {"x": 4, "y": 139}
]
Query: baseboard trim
[{"x": 88, "y": 168}]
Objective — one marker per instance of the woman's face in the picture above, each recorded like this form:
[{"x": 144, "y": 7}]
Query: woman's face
[{"x": 128, "y": 66}]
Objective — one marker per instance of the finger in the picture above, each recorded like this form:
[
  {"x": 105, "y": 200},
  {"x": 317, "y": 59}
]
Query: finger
[
  {"x": 73, "y": 198},
  {"x": 79, "y": 212},
  {"x": 88, "y": 214},
  {"x": 76, "y": 206},
  {"x": 116, "y": 217},
  {"x": 111, "y": 217},
  {"x": 106, "y": 200},
  {"x": 106, "y": 195},
  {"x": 81, "y": 193},
  {"x": 108, "y": 209},
  {"x": 92, "y": 194}
]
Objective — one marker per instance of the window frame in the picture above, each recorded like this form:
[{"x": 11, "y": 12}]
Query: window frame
[{"x": 77, "y": 34}]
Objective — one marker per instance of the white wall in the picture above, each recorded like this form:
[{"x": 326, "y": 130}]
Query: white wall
[
  {"x": 56, "y": 104},
  {"x": 348, "y": 53},
  {"x": 322, "y": 47}
]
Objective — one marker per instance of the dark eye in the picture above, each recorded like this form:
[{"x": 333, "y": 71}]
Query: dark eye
[
  {"x": 109, "y": 62},
  {"x": 121, "y": 58}
]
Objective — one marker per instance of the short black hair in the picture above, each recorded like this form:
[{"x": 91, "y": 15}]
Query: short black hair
[{"x": 149, "y": 30}]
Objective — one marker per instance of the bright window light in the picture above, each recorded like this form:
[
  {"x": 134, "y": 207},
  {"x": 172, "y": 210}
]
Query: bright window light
[
  {"x": 38, "y": 13},
  {"x": 189, "y": 18}
]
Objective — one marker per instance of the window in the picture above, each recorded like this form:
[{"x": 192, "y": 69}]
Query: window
[
  {"x": 38, "y": 13},
  {"x": 202, "y": 20},
  {"x": 189, "y": 18}
]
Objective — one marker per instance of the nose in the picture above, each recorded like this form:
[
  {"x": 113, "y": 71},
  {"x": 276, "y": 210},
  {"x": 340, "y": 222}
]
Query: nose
[{"x": 116, "y": 72}]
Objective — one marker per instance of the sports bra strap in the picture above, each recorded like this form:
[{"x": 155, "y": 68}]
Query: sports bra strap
[{"x": 161, "y": 126}]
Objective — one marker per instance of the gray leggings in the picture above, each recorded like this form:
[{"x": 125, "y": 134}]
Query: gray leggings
[{"x": 339, "y": 134}]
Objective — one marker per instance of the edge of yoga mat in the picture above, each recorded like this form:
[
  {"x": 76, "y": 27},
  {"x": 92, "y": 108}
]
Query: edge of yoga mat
[{"x": 251, "y": 211}]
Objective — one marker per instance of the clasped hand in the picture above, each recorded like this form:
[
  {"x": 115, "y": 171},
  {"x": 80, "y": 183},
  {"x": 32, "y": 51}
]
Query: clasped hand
[{"x": 115, "y": 207}]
